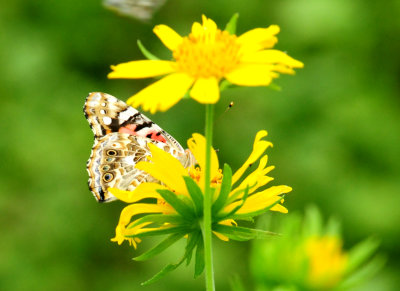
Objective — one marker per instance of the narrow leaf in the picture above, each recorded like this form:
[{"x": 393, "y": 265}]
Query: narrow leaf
[
  {"x": 180, "y": 206},
  {"x": 193, "y": 239},
  {"x": 170, "y": 240},
  {"x": 364, "y": 273},
  {"x": 231, "y": 25},
  {"x": 274, "y": 87},
  {"x": 242, "y": 233},
  {"x": 170, "y": 267},
  {"x": 161, "y": 231},
  {"x": 145, "y": 52},
  {"x": 159, "y": 218},
  {"x": 196, "y": 194},
  {"x": 225, "y": 84},
  {"x": 361, "y": 253},
  {"x": 226, "y": 186},
  {"x": 199, "y": 263}
]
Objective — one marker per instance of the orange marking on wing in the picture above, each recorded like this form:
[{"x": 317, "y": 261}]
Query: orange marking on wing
[{"x": 130, "y": 129}]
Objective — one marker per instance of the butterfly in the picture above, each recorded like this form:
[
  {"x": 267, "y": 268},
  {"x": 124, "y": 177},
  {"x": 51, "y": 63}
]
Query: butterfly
[
  {"x": 121, "y": 139},
  {"x": 139, "y": 9}
]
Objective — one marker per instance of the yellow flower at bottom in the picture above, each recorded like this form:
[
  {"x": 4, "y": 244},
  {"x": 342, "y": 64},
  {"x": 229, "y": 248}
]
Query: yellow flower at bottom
[
  {"x": 327, "y": 262},
  {"x": 201, "y": 60},
  {"x": 179, "y": 196}
]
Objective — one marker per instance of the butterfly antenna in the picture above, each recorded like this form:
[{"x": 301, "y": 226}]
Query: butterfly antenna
[{"x": 231, "y": 104}]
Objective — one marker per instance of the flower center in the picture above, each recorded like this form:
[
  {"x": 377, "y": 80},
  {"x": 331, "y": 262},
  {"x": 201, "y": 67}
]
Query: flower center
[{"x": 202, "y": 56}]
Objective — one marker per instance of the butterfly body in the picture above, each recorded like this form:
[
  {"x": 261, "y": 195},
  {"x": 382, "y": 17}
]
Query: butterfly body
[{"x": 121, "y": 138}]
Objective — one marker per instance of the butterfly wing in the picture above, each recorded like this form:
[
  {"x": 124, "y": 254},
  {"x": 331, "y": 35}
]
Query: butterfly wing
[
  {"x": 139, "y": 9},
  {"x": 121, "y": 138},
  {"x": 107, "y": 114},
  {"x": 112, "y": 163}
]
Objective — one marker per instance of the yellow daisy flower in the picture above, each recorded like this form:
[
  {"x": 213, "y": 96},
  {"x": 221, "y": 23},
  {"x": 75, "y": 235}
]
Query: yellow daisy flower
[
  {"x": 180, "y": 196},
  {"x": 327, "y": 261},
  {"x": 201, "y": 60},
  {"x": 310, "y": 256}
]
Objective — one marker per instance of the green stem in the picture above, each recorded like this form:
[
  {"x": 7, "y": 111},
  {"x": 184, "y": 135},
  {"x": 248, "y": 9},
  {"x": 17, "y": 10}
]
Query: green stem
[{"x": 207, "y": 234}]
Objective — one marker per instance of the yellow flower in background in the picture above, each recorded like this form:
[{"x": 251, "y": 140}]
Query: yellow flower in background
[
  {"x": 234, "y": 197},
  {"x": 310, "y": 256},
  {"x": 201, "y": 60},
  {"x": 327, "y": 261}
]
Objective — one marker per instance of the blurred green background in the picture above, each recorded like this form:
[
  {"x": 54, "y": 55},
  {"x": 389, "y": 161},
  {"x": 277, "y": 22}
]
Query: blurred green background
[{"x": 335, "y": 128}]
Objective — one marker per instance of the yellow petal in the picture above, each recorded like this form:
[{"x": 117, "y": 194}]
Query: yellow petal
[
  {"x": 197, "y": 145},
  {"x": 141, "y": 69},
  {"x": 197, "y": 30},
  {"x": 165, "y": 168},
  {"x": 162, "y": 94},
  {"x": 272, "y": 57},
  {"x": 248, "y": 74},
  {"x": 259, "y": 200},
  {"x": 258, "y": 149},
  {"x": 224, "y": 222},
  {"x": 144, "y": 190},
  {"x": 205, "y": 90},
  {"x": 169, "y": 37},
  {"x": 257, "y": 178},
  {"x": 258, "y": 38},
  {"x": 221, "y": 236},
  {"x": 279, "y": 208},
  {"x": 138, "y": 208}
]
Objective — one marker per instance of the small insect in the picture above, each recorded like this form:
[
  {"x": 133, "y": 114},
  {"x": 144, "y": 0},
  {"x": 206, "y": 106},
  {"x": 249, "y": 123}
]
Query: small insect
[{"x": 121, "y": 139}]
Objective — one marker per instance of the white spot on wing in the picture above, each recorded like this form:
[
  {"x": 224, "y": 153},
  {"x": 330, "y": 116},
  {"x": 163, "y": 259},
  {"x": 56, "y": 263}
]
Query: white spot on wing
[
  {"x": 125, "y": 115},
  {"x": 107, "y": 120}
]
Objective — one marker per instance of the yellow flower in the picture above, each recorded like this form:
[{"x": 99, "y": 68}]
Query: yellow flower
[
  {"x": 201, "y": 60},
  {"x": 327, "y": 262},
  {"x": 232, "y": 200}
]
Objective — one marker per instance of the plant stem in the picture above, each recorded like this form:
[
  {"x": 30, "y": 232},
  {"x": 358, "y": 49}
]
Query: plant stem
[{"x": 207, "y": 234}]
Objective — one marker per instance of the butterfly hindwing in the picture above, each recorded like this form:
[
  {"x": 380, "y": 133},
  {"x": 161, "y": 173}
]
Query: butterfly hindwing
[{"x": 121, "y": 138}]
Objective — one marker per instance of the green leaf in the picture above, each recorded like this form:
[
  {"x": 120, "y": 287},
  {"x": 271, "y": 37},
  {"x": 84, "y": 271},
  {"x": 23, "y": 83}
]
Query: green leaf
[
  {"x": 225, "y": 84},
  {"x": 363, "y": 274},
  {"x": 361, "y": 253},
  {"x": 199, "y": 263},
  {"x": 145, "y": 52},
  {"x": 231, "y": 25},
  {"x": 160, "y": 219},
  {"x": 160, "y": 247},
  {"x": 193, "y": 238},
  {"x": 236, "y": 283},
  {"x": 166, "y": 230},
  {"x": 170, "y": 267},
  {"x": 242, "y": 233},
  {"x": 226, "y": 186},
  {"x": 274, "y": 87},
  {"x": 164, "y": 271},
  {"x": 312, "y": 222},
  {"x": 333, "y": 227},
  {"x": 178, "y": 204},
  {"x": 196, "y": 194}
]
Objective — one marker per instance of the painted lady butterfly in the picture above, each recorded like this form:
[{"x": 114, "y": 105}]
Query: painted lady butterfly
[{"x": 121, "y": 138}]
